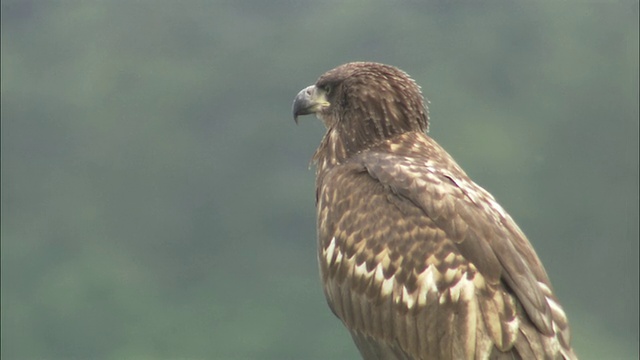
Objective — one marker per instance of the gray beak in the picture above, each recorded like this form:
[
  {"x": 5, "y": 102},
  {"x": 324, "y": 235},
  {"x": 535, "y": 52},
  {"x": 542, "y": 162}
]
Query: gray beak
[{"x": 308, "y": 101}]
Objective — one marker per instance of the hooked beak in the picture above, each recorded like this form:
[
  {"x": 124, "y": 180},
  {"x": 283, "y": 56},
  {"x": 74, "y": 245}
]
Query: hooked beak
[{"x": 309, "y": 100}]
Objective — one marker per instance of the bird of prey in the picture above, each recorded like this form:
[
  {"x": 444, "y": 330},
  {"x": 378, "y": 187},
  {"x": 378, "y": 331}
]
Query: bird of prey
[{"x": 417, "y": 260}]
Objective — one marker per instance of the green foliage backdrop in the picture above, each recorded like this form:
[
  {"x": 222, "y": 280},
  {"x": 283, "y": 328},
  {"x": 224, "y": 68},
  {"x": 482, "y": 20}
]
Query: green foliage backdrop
[{"x": 156, "y": 196}]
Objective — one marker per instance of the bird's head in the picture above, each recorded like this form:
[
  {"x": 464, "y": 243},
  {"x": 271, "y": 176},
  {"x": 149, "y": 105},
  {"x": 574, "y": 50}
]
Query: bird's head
[{"x": 364, "y": 102}]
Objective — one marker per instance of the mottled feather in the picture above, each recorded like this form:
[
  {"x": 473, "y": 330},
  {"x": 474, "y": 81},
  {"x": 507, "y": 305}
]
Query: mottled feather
[{"x": 417, "y": 260}]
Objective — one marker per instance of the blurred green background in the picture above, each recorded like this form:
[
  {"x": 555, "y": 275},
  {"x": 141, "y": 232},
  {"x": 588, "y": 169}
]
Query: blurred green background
[{"x": 156, "y": 196}]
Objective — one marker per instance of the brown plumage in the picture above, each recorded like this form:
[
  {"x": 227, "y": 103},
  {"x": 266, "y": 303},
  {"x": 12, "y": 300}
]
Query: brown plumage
[{"x": 417, "y": 260}]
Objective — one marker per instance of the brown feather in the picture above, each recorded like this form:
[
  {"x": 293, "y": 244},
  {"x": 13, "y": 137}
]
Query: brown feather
[{"x": 417, "y": 260}]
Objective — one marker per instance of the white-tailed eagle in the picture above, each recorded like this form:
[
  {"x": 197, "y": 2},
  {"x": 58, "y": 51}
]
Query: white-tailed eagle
[{"x": 417, "y": 260}]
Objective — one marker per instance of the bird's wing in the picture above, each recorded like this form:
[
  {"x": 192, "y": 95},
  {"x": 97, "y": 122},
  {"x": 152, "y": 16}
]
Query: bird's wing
[{"x": 420, "y": 262}]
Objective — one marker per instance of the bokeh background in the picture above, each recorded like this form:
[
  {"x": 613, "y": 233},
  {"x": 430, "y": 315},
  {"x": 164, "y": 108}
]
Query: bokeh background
[{"x": 157, "y": 201}]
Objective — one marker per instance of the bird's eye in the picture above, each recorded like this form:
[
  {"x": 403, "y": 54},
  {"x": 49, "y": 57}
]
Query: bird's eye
[{"x": 327, "y": 89}]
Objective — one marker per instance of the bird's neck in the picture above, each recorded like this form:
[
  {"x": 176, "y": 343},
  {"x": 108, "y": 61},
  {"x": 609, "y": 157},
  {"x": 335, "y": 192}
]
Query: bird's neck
[{"x": 331, "y": 152}]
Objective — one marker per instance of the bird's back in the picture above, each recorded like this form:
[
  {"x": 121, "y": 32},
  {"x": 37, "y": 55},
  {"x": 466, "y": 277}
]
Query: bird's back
[{"x": 421, "y": 263}]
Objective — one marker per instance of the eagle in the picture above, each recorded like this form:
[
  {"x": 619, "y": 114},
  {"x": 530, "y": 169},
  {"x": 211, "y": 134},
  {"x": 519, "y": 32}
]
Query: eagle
[{"x": 417, "y": 260}]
